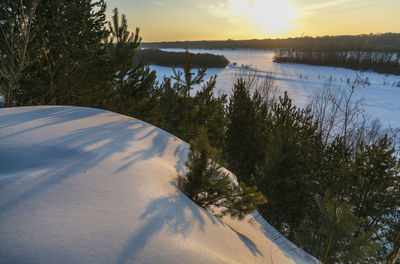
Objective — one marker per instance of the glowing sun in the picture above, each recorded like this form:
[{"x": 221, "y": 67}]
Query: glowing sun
[{"x": 273, "y": 15}]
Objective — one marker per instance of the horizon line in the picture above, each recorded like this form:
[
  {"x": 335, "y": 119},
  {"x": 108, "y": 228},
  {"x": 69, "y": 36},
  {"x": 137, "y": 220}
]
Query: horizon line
[{"x": 305, "y": 36}]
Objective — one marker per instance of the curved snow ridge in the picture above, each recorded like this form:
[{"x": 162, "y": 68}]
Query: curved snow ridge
[{"x": 82, "y": 185}]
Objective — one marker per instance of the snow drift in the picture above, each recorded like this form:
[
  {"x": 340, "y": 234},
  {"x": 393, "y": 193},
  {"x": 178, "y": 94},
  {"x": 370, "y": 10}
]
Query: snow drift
[{"x": 82, "y": 185}]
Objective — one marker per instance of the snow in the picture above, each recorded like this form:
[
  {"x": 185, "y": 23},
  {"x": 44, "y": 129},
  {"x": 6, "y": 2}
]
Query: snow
[
  {"x": 82, "y": 185},
  {"x": 302, "y": 82}
]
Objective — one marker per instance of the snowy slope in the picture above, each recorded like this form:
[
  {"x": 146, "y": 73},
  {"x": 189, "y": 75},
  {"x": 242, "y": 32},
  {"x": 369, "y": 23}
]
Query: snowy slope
[{"x": 81, "y": 185}]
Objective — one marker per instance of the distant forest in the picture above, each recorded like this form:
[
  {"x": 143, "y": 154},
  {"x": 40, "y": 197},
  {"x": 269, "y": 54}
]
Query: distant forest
[
  {"x": 381, "y": 62},
  {"x": 376, "y": 52},
  {"x": 177, "y": 59},
  {"x": 371, "y": 42}
]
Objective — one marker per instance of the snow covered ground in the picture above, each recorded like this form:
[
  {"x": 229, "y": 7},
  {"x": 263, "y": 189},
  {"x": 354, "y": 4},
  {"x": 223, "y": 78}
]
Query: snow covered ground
[
  {"x": 302, "y": 82},
  {"x": 82, "y": 185}
]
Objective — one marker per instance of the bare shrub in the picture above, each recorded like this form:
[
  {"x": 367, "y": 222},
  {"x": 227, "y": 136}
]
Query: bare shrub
[{"x": 261, "y": 83}]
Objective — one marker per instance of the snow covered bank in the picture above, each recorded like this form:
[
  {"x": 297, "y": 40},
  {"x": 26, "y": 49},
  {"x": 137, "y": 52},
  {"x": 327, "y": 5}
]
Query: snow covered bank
[{"x": 81, "y": 185}]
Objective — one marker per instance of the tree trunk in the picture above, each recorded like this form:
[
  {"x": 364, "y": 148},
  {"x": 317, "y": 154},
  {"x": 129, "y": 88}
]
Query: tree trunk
[
  {"x": 10, "y": 85},
  {"x": 329, "y": 245},
  {"x": 394, "y": 253}
]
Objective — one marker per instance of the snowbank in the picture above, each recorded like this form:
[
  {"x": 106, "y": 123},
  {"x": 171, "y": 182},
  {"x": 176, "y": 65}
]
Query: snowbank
[{"x": 81, "y": 185}]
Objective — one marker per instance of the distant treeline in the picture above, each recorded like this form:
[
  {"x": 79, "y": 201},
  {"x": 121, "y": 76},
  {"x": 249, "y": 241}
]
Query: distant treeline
[
  {"x": 381, "y": 62},
  {"x": 377, "y": 52},
  {"x": 177, "y": 59},
  {"x": 371, "y": 42}
]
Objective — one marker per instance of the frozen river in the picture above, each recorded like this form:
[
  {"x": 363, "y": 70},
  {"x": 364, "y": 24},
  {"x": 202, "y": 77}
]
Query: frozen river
[{"x": 381, "y": 96}]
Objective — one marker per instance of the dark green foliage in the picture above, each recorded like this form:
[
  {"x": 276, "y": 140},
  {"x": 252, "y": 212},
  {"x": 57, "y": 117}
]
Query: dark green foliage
[
  {"x": 211, "y": 188},
  {"x": 81, "y": 62},
  {"x": 393, "y": 236},
  {"x": 393, "y": 256},
  {"x": 336, "y": 198},
  {"x": 336, "y": 233},
  {"x": 375, "y": 190},
  {"x": 184, "y": 114},
  {"x": 133, "y": 90},
  {"x": 17, "y": 30},
  {"x": 361, "y": 187},
  {"x": 244, "y": 146},
  {"x": 121, "y": 47},
  {"x": 375, "y": 171},
  {"x": 70, "y": 50},
  {"x": 177, "y": 59},
  {"x": 329, "y": 235},
  {"x": 136, "y": 94},
  {"x": 291, "y": 161}
]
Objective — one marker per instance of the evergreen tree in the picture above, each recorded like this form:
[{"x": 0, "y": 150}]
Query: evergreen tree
[
  {"x": 17, "y": 29},
  {"x": 393, "y": 256},
  {"x": 375, "y": 190},
  {"x": 290, "y": 166},
  {"x": 244, "y": 146},
  {"x": 122, "y": 45},
  {"x": 184, "y": 114},
  {"x": 212, "y": 188},
  {"x": 71, "y": 53},
  {"x": 331, "y": 237},
  {"x": 178, "y": 107},
  {"x": 133, "y": 90},
  {"x": 363, "y": 191}
]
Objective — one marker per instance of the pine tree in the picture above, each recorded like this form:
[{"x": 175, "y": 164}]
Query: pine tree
[
  {"x": 363, "y": 184},
  {"x": 70, "y": 49},
  {"x": 17, "y": 29},
  {"x": 178, "y": 106},
  {"x": 375, "y": 190},
  {"x": 244, "y": 145},
  {"x": 133, "y": 84},
  {"x": 393, "y": 256},
  {"x": 212, "y": 188},
  {"x": 184, "y": 114},
  {"x": 331, "y": 236},
  {"x": 122, "y": 44},
  {"x": 290, "y": 166}
]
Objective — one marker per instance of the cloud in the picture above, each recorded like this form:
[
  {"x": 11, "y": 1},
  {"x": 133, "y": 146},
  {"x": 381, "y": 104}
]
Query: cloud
[
  {"x": 334, "y": 4},
  {"x": 271, "y": 15},
  {"x": 224, "y": 9},
  {"x": 159, "y": 3}
]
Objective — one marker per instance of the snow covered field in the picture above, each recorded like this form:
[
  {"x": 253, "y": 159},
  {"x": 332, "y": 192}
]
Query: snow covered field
[
  {"x": 381, "y": 96},
  {"x": 82, "y": 185}
]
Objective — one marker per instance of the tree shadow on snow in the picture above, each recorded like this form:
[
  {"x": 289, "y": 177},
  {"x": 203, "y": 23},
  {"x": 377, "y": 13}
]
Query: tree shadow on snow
[
  {"x": 174, "y": 213},
  {"x": 44, "y": 117},
  {"x": 54, "y": 160},
  {"x": 249, "y": 244},
  {"x": 159, "y": 143}
]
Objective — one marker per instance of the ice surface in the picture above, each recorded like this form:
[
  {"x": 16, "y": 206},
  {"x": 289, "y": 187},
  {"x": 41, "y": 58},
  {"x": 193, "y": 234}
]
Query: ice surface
[
  {"x": 82, "y": 185},
  {"x": 302, "y": 82}
]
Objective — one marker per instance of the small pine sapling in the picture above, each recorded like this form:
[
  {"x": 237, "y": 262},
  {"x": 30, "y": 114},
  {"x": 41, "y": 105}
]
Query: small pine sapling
[{"x": 212, "y": 188}]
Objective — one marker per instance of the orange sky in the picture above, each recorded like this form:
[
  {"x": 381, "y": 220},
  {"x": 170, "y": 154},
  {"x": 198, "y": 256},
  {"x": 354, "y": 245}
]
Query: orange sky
[{"x": 170, "y": 20}]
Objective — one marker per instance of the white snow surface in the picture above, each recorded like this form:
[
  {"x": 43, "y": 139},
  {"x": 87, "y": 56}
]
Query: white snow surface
[
  {"x": 82, "y": 185},
  {"x": 302, "y": 82}
]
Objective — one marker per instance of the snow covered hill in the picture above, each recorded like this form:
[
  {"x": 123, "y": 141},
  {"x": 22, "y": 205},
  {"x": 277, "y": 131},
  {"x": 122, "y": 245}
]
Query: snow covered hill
[{"x": 82, "y": 185}]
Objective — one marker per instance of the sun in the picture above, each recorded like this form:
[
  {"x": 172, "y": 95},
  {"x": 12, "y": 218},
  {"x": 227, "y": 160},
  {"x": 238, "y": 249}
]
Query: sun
[{"x": 274, "y": 16}]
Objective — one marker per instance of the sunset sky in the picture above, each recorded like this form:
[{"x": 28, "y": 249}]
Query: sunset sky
[{"x": 170, "y": 20}]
